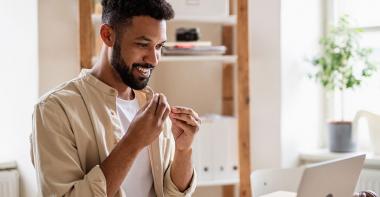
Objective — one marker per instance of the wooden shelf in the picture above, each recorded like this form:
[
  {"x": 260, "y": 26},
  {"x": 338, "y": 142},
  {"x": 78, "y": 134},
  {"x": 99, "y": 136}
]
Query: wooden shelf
[
  {"x": 192, "y": 58},
  {"x": 227, "y": 20},
  {"x": 219, "y": 182}
]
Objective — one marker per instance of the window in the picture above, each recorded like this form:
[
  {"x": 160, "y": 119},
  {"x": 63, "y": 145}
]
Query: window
[{"x": 364, "y": 14}]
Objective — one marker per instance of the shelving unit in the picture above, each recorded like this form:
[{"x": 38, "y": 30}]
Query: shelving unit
[
  {"x": 221, "y": 182},
  {"x": 241, "y": 60}
]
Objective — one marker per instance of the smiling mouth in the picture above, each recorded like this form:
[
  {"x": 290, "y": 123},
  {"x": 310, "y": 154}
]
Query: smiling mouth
[{"x": 143, "y": 71}]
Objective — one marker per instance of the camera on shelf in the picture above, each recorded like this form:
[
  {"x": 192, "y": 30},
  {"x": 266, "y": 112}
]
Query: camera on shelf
[{"x": 187, "y": 34}]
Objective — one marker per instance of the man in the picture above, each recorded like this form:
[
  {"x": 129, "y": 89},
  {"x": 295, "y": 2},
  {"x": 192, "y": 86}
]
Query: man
[{"x": 105, "y": 133}]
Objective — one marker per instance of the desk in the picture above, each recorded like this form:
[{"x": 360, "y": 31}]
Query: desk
[{"x": 371, "y": 162}]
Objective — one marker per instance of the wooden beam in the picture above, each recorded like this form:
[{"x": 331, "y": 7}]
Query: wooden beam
[
  {"x": 228, "y": 90},
  {"x": 228, "y": 190},
  {"x": 228, "y": 84},
  {"x": 228, "y": 74},
  {"x": 86, "y": 38},
  {"x": 243, "y": 98}
]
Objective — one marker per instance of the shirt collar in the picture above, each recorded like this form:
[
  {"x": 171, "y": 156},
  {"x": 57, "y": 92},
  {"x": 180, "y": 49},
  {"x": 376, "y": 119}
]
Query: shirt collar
[
  {"x": 95, "y": 82},
  {"x": 100, "y": 85}
]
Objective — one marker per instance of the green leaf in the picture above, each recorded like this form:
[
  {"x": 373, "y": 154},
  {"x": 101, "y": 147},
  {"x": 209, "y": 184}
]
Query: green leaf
[{"x": 341, "y": 52}]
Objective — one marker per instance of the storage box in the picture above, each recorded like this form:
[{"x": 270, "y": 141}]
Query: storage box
[{"x": 200, "y": 8}]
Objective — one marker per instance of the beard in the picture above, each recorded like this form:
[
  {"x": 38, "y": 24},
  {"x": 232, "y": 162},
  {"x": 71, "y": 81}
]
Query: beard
[{"x": 125, "y": 71}]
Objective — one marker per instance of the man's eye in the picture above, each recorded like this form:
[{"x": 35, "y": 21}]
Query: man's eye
[
  {"x": 159, "y": 46},
  {"x": 142, "y": 45}
]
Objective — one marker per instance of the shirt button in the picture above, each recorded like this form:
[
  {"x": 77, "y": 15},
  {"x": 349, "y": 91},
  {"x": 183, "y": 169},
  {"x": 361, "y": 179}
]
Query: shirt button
[
  {"x": 112, "y": 113},
  {"x": 112, "y": 92}
]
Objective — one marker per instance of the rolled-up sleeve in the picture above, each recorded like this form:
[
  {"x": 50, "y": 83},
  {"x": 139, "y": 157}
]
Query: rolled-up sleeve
[
  {"x": 170, "y": 189},
  {"x": 55, "y": 156}
]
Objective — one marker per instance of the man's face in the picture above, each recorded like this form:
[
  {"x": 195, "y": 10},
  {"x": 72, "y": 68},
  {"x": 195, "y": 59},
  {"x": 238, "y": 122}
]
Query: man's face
[{"x": 137, "y": 50}]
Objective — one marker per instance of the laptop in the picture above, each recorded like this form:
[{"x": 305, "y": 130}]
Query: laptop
[{"x": 335, "y": 178}]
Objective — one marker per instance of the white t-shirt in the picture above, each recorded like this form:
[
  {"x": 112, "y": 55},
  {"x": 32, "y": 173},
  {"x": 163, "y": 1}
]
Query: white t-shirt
[{"x": 139, "y": 180}]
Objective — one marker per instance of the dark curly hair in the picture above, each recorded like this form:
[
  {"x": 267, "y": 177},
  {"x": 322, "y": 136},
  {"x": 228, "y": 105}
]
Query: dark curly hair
[{"x": 118, "y": 12}]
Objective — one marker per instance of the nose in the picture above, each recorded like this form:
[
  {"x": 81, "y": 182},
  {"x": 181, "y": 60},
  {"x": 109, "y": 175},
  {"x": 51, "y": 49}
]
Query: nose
[{"x": 152, "y": 57}]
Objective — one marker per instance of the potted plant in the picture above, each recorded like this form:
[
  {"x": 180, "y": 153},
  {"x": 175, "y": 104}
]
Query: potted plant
[{"x": 342, "y": 65}]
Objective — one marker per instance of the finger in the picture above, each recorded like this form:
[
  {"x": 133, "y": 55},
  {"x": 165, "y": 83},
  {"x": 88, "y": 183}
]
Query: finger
[
  {"x": 153, "y": 105},
  {"x": 185, "y": 127},
  {"x": 175, "y": 130},
  {"x": 147, "y": 104},
  {"x": 149, "y": 92},
  {"x": 185, "y": 110},
  {"x": 189, "y": 112},
  {"x": 158, "y": 103},
  {"x": 166, "y": 114},
  {"x": 162, "y": 106},
  {"x": 188, "y": 129},
  {"x": 186, "y": 118},
  {"x": 180, "y": 109}
]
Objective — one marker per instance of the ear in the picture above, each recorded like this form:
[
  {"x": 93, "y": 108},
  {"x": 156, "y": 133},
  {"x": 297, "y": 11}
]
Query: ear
[{"x": 107, "y": 34}]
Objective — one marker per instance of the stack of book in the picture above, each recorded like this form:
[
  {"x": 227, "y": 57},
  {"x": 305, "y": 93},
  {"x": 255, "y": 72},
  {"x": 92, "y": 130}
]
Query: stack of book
[{"x": 192, "y": 48}]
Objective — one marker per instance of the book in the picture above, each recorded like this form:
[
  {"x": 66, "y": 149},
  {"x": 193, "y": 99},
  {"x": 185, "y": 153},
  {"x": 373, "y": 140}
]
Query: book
[
  {"x": 188, "y": 44},
  {"x": 198, "y": 50}
]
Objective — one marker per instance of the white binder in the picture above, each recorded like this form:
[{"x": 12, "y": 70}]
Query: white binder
[
  {"x": 232, "y": 148},
  {"x": 207, "y": 170},
  {"x": 216, "y": 149}
]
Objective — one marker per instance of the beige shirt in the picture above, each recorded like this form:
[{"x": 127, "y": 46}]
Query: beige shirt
[{"x": 74, "y": 131}]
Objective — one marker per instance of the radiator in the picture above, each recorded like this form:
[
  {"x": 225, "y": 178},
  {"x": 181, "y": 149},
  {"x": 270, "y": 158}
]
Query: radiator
[
  {"x": 369, "y": 180},
  {"x": 9, "y": 183}
]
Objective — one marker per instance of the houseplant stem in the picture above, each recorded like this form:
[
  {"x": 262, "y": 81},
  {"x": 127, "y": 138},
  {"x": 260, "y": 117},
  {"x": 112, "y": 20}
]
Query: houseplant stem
[{"x": 342, "y": 104}]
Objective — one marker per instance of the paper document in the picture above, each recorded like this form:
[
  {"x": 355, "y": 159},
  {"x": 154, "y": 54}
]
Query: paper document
[{"x": 280, "y": 194}]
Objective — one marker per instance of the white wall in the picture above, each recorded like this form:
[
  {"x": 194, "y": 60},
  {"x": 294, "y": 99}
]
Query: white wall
[
  {"x": 39, "y": 50},
  {"x": 301, "y": 118},
  {"x": 18, "y": 85},
  {"x": 265, "y": 83},
  {"x": 285, "y": 104},
  {"x": 58, "y": 41}
]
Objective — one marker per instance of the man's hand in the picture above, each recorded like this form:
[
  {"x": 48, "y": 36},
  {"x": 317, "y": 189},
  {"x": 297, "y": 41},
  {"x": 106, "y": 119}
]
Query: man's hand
[
  {"x": 143, "y": 130},
  {"x": 185, "y": 124},
  {"x": 148, "y": 122}
]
